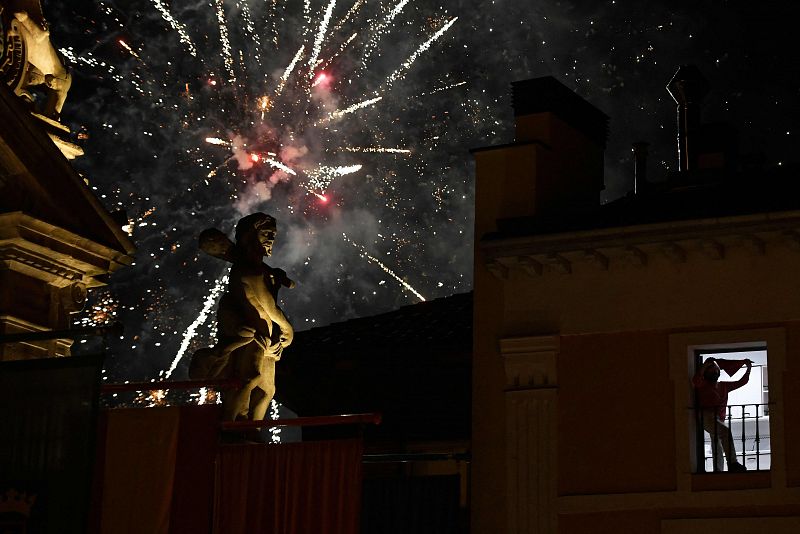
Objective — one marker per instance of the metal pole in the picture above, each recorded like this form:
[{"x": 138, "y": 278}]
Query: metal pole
[
  {"x": 758, "y": 441},
  {"x": 744, "y": 440}
]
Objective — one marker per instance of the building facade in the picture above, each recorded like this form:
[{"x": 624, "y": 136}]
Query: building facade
[{"x": 590, "y": 322}]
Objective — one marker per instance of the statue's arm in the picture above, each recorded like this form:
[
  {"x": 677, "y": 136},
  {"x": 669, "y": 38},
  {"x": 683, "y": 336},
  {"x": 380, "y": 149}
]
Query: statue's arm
[{"x": 258, "y": 295}]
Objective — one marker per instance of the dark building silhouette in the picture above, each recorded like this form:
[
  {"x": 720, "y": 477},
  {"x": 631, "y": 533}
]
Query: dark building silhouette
[{"x": 590, "y": 321}]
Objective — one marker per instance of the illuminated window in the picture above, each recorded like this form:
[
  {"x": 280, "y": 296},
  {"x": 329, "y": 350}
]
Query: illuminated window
[{"x": 735, "y": 434}]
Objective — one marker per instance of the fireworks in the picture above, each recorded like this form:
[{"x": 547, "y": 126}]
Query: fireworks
[
  {"x": 253, "y": 102},
  {"x": 211, "y": 299},
  {"x": 177, "y": 26},
  {"x": 387, "y": 270}
]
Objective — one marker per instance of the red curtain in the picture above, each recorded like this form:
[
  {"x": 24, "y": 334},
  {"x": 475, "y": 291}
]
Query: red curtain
[
  {"x": 154, "y": 470},
  {"x": 295, "y": 488},
  {"x": 193, "y": 495},
  {"x": 139, "y": 470}
]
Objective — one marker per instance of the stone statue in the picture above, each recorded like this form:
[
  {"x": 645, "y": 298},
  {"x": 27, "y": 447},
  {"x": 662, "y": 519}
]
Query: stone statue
[
  {"x": 29, "y": 59},
  {"x": 252, "y": 329}
]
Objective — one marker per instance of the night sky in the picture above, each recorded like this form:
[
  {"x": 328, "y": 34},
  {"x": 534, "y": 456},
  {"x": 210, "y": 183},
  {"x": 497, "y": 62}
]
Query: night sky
[{"x": 364, "y": 229}]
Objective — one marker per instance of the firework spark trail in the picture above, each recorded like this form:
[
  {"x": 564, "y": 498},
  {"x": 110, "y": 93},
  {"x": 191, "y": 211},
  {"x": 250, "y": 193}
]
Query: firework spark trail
[
  {"x": 323, "y": 29},
  {"x": 288, "y": 71},
  {"x": 177, "y": 26},
  {"x": 88, "y": 59},
  {"x": 352, "y": 11},
  {"x": 400, "y": 72},
  {"x": 215, "y": 170},
  {"x": 273, "y": 4},
  {"x": 217, "y": 141},
  {"x": 130, "y": 50},
  {"x": 377, "y": 150},
  {"x": 225, "y": 41},
  {"x": 274, "y": 414},
  {"x": 188, "y": 335},
  {"x": 440, "y": 89},
  {"x": 387, "y": 270},
  {"x": 322, "y": 177},
  {"x": 306, "y": 18},
  {"x": 250, "y": 29},
  {"x": 278, "y": 165},
  {"x": 336, "y": 54},
  {"x": 378, "y": 32},
  {"x": 351, "y": 109}
]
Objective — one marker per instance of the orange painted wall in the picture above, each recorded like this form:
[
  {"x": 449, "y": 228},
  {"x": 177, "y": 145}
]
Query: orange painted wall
[
  {"x": 791, "y": 394},
  {"x": 616, "y": 414}
]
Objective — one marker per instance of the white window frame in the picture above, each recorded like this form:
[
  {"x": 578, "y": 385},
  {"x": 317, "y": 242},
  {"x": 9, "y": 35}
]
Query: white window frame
[{"x": 682, "y": 347}]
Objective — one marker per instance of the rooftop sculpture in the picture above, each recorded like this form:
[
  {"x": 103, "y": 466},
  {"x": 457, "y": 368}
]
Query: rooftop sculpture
[
  {"x": 253, "y": 330},
  {"x": 29, "y": 58},
  {"x": 33, "y": 69}
]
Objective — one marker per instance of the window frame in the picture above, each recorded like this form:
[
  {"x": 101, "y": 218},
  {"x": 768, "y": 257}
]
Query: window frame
[
  {"x": 682, "y": 350},
  {"x": 698, "y": 438}
]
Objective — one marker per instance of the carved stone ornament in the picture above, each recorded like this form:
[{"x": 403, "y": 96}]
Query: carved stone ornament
[
  {"x": 29, "y": 58},
  {"x": 30, "y": 64}
]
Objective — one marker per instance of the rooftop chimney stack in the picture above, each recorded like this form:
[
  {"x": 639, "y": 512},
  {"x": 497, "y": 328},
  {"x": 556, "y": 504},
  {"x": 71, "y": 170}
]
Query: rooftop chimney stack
[{"x": 688, "y": 88}]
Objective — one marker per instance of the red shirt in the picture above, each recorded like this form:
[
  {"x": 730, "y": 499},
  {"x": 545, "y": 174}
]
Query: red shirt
[{"x": 712, "y": 395}]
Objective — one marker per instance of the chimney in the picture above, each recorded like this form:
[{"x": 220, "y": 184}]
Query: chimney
[
  {"x": 553, "y": 168},
  {"x": 640, "y": 183},
  {"x": 688, "y": 88},
  {"x": 574, "y": 131}
]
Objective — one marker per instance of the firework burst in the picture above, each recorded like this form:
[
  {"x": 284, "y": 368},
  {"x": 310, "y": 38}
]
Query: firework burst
[{"x": 298, "y": 109}]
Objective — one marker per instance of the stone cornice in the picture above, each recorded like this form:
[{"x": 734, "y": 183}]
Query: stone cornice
[
  {"x": 636, "y": 245},
  {"x": 31, "y": 245}
]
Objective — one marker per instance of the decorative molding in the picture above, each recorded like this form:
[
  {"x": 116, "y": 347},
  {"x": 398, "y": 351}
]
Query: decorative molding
[
  {"x": 531, "y": 432},
  {"x": 558, "y": 263},
  {"x": 512, "y": 345},
  {"x": 530, "y": 362},
  {"x": 37, "y": 265},
  {"x": 754, "y": 244},
  {"x": 674, "y": 252},
  {"x": 530, "y": 265},
  {"x": 597, "y": 258},
  {"x": 678, "y": 241},
  {"x": 635, "y": 256},
  {"x": 10, "y": 324},
  {"x": 712, "y": 249},
  {"x": 531, "y": 444},
  {"x": 497, "y": 269},
  {"x": 792, "y": 238}
]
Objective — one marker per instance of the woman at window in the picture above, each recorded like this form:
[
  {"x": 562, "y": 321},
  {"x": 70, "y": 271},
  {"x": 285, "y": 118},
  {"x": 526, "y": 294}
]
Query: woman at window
[{"x": 712, "y": 400}]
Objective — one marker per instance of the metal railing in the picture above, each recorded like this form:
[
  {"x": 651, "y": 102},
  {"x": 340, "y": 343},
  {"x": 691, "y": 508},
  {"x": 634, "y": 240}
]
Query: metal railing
[{"x": 742, "y": 437}]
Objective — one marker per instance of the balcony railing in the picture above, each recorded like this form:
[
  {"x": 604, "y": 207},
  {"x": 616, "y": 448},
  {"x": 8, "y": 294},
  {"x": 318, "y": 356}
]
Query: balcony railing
[{"x": 748, "y": 432}]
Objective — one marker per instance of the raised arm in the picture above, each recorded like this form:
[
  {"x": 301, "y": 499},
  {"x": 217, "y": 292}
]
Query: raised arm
[{"x": 742, "y": 381}]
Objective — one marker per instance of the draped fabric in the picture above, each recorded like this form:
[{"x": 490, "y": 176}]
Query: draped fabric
[
  {"x": 47, "y": 415},
  {"x": 730, "y": 366},
  {"x": 296, "y": 488},
  {"x": 139, "y": 470},
  {"x": 154, "y": 470},
  {"x": 162, "y": 470},
  {"x": 193, "y": 494}
]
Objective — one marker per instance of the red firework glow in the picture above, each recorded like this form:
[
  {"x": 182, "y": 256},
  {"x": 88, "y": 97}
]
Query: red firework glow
[{"x": 323, "y": 78}]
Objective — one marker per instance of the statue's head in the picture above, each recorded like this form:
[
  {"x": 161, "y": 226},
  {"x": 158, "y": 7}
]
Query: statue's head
[{"x": 256, "y": 231}]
